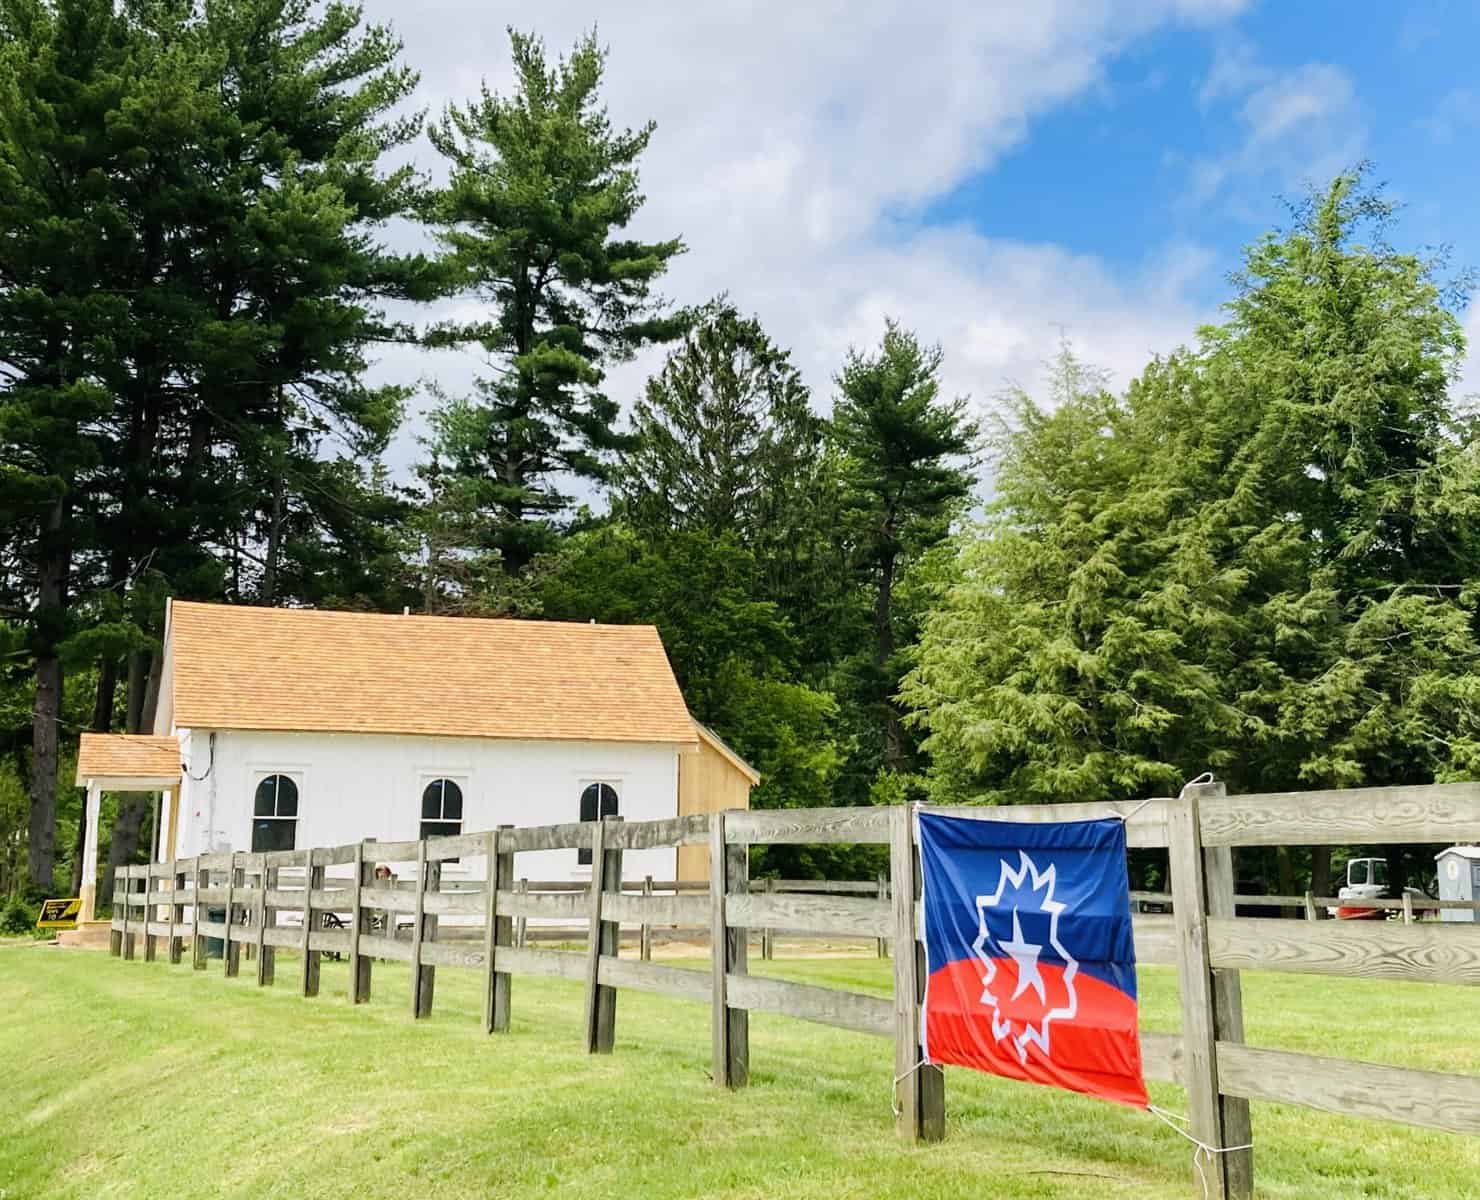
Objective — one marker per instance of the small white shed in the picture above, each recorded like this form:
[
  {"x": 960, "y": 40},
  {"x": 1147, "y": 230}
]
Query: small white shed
[{"x": 1459, "y": 879}]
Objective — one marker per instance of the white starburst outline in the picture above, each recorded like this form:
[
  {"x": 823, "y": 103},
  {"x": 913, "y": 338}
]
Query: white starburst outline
[{"x": 1040, "y": 881}]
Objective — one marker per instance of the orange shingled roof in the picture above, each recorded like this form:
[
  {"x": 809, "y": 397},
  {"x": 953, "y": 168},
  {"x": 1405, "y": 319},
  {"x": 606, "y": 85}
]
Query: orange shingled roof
[
  {"x": 127, "y": 756},
  {"x": 306, "y": 670}
]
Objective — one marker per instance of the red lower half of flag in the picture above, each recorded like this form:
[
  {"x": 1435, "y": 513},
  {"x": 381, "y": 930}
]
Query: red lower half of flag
[{"x": 1029, "y": 1034}]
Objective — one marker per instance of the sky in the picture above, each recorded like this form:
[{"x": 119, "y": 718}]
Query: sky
[{"x": 996, "y": 175}]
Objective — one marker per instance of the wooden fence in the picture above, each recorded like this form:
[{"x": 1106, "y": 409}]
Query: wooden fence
[{"x": 1202, "y": 937}]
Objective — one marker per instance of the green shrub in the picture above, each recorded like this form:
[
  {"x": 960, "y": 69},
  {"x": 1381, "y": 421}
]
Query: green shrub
[{"x": 17, "y": 917}]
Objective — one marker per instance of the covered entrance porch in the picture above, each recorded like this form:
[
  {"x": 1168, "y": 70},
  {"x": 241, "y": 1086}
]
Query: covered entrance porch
[{"x": 122, "y": 762}]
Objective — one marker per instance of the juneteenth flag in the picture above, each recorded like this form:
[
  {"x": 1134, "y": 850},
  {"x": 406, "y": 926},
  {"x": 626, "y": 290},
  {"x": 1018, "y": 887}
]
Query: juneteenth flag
[{"x": 1031, "y": 962}]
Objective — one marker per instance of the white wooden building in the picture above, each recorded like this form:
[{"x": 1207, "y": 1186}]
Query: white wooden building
[{"x": 302, "y": 728}]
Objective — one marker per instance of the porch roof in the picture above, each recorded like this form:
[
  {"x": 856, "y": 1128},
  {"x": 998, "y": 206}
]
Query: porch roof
[{"x": 128, "y": 761}]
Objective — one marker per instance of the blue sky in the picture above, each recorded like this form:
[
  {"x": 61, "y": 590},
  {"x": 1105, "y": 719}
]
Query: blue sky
[
  {"x": 1120, "y": 170},
  {"x": 995, "y": 174}
]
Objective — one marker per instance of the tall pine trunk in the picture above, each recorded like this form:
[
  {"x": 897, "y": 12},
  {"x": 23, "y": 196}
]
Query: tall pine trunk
[
  {"x": 893, "y": 728},
  {"x": 53, "y": 563}
]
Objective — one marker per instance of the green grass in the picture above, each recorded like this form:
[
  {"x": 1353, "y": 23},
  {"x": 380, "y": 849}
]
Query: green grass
[{"x": 135, "y": 1079}]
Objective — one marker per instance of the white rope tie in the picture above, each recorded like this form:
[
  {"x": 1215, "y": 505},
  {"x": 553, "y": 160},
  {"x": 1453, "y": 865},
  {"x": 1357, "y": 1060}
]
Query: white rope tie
[
  {"x": 894, "y": 1087},
  {"x": 1200, "y": 1150}
]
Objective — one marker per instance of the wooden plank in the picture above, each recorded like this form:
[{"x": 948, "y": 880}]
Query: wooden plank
[
  {"x": 391, "y": 900},
  {"x": 276, "y": 936},
  {"x": 553, "y": 964},
  {"x": 205, "y": 894},
  {"x": 418, "y": 910},
  {"x": 825, "y": 1006},
  {"x": 330, "y": 941},
  {"x": 571, "y": 906},
  {"x": 809, "y": 826},
  {"x": 453, "y": 954},
  {"x": 1428, "y": 1099},
  {"x": 498, "y": 935},
  {"x": 842, "y": 887},
  {"x": 215, "y": 929},
  {"x": 359, "y": 925},
  {"x": 157, "y": 929},
  {"x": 467, "y": 845},
  {"x": 1228, "y": 1025},
  {"x": 1442, "y": 813},
  {"x": 1426, "y": 952},
  {"x": 394, "y": 852},
  {"x": 691, "y": 830},
  {"x": 1145, "y": 825},
  {"x": 1195, "y": 982},
  {"x": 657, "y": 910},
  {"x": 838, "y": 916},
  {"x": 545, "y": 837},
  {"x": 372, "y": 945},
  {"x": 1156, "y": 940},
  {"x": 224, "y": 861},
  {"x": 1161, "y": 1057},
  {"x": 655, "y": 977}
]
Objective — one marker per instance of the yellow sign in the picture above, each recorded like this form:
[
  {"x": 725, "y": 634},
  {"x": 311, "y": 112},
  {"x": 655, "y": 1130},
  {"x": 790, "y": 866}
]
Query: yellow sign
[{"x": 59, "y": 914}]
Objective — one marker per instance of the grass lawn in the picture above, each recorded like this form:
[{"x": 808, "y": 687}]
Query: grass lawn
[{"x": 135, "y": 1079}]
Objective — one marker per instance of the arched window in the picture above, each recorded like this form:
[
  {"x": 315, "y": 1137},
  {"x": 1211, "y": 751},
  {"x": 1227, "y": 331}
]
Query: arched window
[
  {"x": 275, "y": 814},
  {"x": 441, "y": 809},
  {"x": 597, "y": 800}
]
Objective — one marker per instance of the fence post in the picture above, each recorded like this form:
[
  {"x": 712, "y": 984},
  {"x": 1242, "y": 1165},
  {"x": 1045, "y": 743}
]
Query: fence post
[
  {"x": 309, "y": 962},
  {"x": 882, "y": 946},
  {"x": 177, "y": 910},
  {"x": 1310, "y": 908},
  {"x": 129, "y": 937},
  {"x": 768, "y": 935},
  {"x": 231, "y": 955},
  {"x": 1407, "y": 909},
  {"x": 359, "y": 964},
  {"x": 498, "y": 932},
  {"x": 115, "y": 933},
  {"x": 151, "y": 943},
  {"x": 521, "y": 923},
  {"x": 645, "y": 942},
  {"x": 423, "y": 929},
  {"x": 728, "y": 871},
  {"x": 1202, "y": 882},
  {"x": 266, "y": 957},
  {"x": 920, "y": 1089},
  {"x": 198, "y": 943},
  {"x": 601, "y": 1002}
]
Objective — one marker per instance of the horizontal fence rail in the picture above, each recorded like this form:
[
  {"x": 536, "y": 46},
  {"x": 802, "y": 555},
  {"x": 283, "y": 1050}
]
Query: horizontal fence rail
[{"x": 329, "y": 900}]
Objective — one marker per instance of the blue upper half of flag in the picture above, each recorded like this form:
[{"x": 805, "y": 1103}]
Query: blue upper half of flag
[{"x": 1060, "y": 887}]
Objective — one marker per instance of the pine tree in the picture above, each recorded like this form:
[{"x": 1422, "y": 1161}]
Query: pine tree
[
  {"x": 907, "y": 473},
  {"x": 540, "y": 188}
]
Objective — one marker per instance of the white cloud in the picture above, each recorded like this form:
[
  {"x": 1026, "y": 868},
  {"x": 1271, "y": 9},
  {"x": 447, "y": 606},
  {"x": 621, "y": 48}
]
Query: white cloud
[
  {"x": 796, "y": 143},
  {"x": 1295, "y": 128},
  {"x": 1468, "y": 384},
  {"x": 1457, "y": 114}
]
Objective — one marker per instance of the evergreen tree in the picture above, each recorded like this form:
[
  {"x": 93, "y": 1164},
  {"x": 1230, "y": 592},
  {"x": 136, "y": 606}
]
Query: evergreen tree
[
  {"x": 540, "y": 188},
  {"x": 907, "y": 474},
  {"x": 1260, "y": 560}
]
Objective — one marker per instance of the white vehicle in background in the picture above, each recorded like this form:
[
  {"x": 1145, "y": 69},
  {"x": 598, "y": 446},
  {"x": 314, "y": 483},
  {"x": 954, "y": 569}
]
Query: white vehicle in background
[{"x": 1367, "y": 879}]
